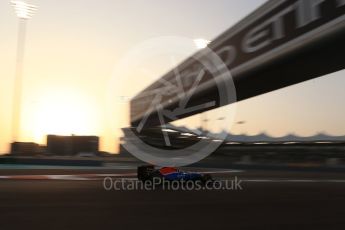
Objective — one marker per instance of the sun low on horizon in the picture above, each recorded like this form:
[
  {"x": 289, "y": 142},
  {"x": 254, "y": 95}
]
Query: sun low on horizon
[{"x": 57, "y": 113}]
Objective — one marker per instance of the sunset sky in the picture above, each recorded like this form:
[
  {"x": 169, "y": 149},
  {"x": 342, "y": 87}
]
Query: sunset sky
[{"x": 73, "y": 50}]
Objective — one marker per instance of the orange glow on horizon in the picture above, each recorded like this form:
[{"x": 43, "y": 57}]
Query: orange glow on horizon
[{"x": 60, "y": 113}]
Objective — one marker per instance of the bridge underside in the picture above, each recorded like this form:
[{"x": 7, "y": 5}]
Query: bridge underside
[{"x": 301, "y": 66}]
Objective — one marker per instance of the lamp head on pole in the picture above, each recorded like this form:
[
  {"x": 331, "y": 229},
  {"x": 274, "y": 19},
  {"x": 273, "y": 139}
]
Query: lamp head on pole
[
  {"x": 23, "y": 10},
  {"x": 201, "y": 43}
]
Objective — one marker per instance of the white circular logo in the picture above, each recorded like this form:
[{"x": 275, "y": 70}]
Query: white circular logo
[{"x": 134, "y": 69}]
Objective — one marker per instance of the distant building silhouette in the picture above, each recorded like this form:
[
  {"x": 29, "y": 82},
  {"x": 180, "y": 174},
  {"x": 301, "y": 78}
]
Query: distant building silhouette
[
  {"x": 72, "y": 145},
  {"x": 26, "y": 148}
]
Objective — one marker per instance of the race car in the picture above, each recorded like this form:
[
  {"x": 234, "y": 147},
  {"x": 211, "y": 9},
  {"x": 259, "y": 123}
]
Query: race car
[{"x": 149, "y": 172}]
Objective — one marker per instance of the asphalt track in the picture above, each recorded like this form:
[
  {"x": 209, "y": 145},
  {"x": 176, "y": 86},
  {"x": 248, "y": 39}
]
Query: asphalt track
[{"x": 76, "y": 199}]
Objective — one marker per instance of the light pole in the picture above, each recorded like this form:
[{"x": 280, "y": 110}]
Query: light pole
[
  {"x": 24, "y": 11},
  {"x": 201, "y": 43}
]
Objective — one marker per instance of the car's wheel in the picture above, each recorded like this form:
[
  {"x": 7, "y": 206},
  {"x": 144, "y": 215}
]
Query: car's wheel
[
  {"x": 206, "y": 178},
  {"x": 145, "y": 172}
]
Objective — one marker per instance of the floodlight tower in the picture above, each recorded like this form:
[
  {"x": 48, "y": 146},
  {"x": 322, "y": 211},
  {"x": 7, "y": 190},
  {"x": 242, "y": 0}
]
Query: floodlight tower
[{"x": 24, "y": 11}]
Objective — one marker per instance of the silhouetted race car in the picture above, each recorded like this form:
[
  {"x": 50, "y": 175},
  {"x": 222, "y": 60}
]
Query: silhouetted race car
[{"x": 149, "y": 172}]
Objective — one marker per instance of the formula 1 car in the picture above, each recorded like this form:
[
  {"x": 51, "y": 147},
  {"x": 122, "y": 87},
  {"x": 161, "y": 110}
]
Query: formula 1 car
[{"x": 149, "y": 172}]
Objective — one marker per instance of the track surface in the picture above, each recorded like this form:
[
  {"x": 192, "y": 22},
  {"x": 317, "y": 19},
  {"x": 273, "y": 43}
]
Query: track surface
[{"x": 269, "y": 200}]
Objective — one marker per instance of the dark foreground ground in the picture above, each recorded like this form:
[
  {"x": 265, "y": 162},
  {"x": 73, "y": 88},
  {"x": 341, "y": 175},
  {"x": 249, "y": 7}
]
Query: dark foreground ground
[{"x": 269, "y": 200}]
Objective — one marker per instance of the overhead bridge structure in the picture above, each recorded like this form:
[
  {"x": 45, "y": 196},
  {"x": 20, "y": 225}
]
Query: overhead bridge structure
[{"x": 283, "y": 42}]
